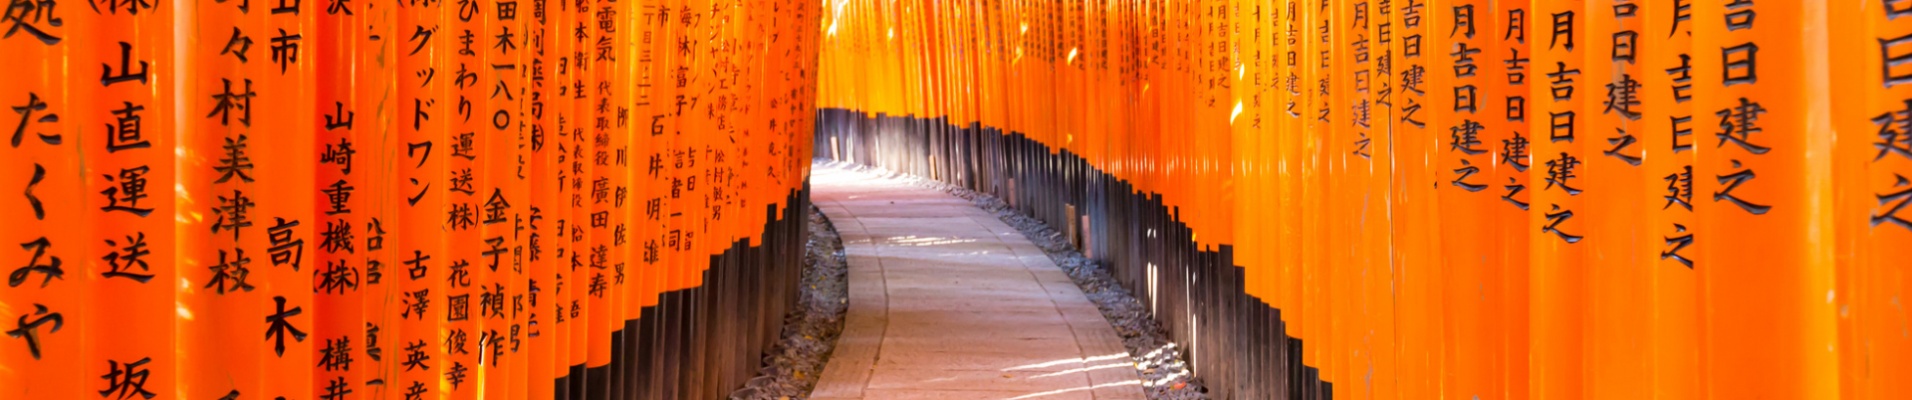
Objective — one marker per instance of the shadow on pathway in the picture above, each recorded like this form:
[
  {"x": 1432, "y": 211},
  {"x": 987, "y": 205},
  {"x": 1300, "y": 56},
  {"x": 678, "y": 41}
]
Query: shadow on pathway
[{"x": 948, "y": 302}]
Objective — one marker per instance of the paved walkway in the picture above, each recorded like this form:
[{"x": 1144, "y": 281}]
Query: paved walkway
[{"x": 948, "y": 302}]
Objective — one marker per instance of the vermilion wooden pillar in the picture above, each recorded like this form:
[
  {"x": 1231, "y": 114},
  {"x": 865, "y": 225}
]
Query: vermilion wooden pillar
[
  {"x": 545, "y": 215},
  {"x": 419, "y": 182},
  {"x": 340, "y": 206},
  {"x": 1666, "y": 96},
  {"x": 121, "y": 124},
  {"x": 1557, "y": 216},
  {"x": 46, "y": 245},
  {"x": 1507, "y": 114},
  {"x": 218, "y": 327},
  {"x": 1613, "y": 170},
  {"x": 1872, "y": 155},
  {"x": 466, "y": 270},
  {"x": 1767, "y": 194}
]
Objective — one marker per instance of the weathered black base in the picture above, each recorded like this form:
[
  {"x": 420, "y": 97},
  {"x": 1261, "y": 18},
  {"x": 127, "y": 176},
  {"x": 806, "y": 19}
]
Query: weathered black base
[{"x": 703, "y": 342}]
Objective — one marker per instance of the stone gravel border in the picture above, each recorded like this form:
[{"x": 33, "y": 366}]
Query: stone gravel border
[{"x": 793, "y": 365}]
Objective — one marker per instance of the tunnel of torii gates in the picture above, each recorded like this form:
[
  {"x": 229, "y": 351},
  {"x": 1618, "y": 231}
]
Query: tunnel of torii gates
[{"x": 1414, "y": 199}]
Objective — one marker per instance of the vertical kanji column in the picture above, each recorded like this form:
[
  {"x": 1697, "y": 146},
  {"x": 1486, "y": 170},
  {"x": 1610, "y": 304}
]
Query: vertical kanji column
[
  {"x": 1315, "y": 146},
  {"x": 627, "y": 277},
  {"x": 1255, "y": 130},
  {"x": 466, "y": 272},
  {"x": 1459, "y": 38},
  {"x": 1417, "y": 222},
  {"x": 1557, "y": 270},
  {"x": 283, "y": 220},
  {"x": 579, "y": 30},
  {"x": 425, "y": 111},
  {"x": 735, "y": 109},
  {"x": 684, "y": 223},
  {"x": 1761, "y": 93},
  {"x": 600, "y": 48},
  {"x": 1294, "y": 106},
  {"x": 339, "y": 208},
  {"x": 695, "y": 123},
  {"x": 1378, "y": 289},
  {"x": 502, "y": 219},
  {"x": 671, "y": 79},
  {"x": 544, "y": 242},
  {"x": 647, "y": 183},
  {"x": 43, "y": 308},
  {"x": 643, "y": 212},
  {"x": 1354, "y": 154},
  {"x": 633, "y": 23},
  {"x": 1666, "y": 102},
  {"x": 219, "y": 331},
  {"x": 121, "y": 123},
  {"x": 1508, "y": 131},
  {"x": 562, "y": 106},
  {"x": 1612, "y": 115}
]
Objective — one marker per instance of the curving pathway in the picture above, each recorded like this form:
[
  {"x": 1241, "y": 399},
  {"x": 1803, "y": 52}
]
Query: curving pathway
[{"x": 948, "y": 302}]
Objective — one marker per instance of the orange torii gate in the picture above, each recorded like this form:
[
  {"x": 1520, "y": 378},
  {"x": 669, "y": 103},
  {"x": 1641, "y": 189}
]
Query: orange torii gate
[
  {"x": 413, "y": 199},
  {"x": 564, "y": 199},
  {"x": 1435, "y": 198}
]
